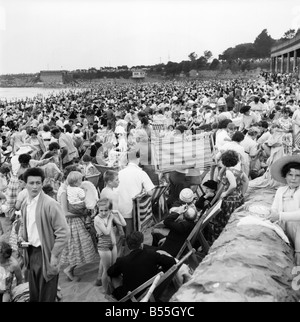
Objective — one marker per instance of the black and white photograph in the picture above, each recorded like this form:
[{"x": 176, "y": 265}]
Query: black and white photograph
[{"x": 150, "y": 152}]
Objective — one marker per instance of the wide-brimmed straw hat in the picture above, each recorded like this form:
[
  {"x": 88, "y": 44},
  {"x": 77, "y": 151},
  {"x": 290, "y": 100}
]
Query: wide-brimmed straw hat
[{"x": 277, "y": 166}]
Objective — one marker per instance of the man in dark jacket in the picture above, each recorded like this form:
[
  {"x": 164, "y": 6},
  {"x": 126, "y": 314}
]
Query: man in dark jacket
[
  {"x": 180, "y": 228},
  {"x": 137, "y": 267},
  {"x": 177, "y": 225}
]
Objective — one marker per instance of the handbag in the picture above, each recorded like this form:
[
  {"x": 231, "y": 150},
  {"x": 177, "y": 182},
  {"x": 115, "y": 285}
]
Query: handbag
[{"x": 89, "y": 226}]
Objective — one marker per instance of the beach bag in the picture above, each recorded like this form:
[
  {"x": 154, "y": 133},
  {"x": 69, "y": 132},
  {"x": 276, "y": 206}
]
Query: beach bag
[{"x": 89, "y": 226}]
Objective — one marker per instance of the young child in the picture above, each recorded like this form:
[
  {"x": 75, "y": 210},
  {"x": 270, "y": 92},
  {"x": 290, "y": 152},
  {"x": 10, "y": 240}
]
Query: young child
[
  {"x": 107, "y": 247},
  {"x": 88, "y": 169},
  {"x": 75, "y": 194},
  {"x": 111, "y": 182},
  {"x": 9, "y": 269}
]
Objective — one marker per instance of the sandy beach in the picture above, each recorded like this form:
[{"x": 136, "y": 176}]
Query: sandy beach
[{"x": 82, "y": 288}]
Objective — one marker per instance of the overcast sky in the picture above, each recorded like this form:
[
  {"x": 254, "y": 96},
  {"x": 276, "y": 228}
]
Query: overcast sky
[{"x": 69, "y": 34}]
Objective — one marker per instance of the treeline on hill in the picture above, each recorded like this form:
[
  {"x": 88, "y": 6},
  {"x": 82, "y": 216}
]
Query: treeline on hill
[
  {"x": 242, "y": 57},
  {"x": 239, "y": 58}
]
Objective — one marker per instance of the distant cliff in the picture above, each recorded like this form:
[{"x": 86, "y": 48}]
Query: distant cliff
[{"x": 19, "y": 80}]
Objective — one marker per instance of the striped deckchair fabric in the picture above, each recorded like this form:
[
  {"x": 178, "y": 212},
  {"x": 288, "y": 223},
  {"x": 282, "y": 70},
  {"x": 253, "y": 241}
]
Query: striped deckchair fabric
[
  {"x": 142, "y": 212},
  {"x": 158, "y": 127},
  {"x": 297, "y": 140},
  {"x": 158, "y": 193},
  {"x": 183, "y": 152}
]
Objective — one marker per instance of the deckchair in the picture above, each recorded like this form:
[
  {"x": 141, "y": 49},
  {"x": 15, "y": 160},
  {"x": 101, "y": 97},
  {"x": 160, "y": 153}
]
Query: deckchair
[
  {"x": 142, "y": 293},
  {"x": 169, "y": 278},
  {"x": 197, "y": 232},
  {"x": 142, "y": 214},
  {"x": 159, "y": 200},
  {"x": 158, "y": 128},
  {"x": 153, "y": 289},
  {"x": 183, "y": 152}
]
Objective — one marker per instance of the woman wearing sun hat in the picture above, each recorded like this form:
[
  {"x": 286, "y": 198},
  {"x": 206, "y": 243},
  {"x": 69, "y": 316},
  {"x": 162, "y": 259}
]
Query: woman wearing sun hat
[{"x": 286, "y": 204}]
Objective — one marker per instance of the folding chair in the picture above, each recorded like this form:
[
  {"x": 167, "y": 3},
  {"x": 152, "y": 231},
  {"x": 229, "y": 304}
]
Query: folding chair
[
  {"x": 197, "y": 232},
  {"x": 157, "y": 128},
  {"x": 169, "y": 277},
  {"x": 142, "y": 212},
  {"x": 143, "y": 204},
  {"x": 159, "y": 200},
  {"x": 143, "y": 293},
  {"x": 153, "y": 289}
]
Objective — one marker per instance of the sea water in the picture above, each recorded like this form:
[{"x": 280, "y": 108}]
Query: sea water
[{"x": 16, "y": 93}]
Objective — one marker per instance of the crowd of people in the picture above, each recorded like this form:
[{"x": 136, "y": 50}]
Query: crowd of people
[{"x": 52, "y": 215}]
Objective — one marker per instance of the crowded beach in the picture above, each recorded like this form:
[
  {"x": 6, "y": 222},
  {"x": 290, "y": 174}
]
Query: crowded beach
[{"x": 118, "y": 186}]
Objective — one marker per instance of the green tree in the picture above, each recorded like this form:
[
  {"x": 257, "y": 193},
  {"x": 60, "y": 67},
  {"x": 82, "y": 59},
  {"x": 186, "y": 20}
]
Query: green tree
[
  {"x": 263, "y": 44},
  {"x": 227, "y": 54},
  {"x": 186, "y": 66},
  {"x": 208, "y": 54},
  {"x": 172, "y": 68},
  {"x": 201, "y": 62},
  {"x": 214, "y": 64},
  {"x": 193, "y": 56},
  {"x": 290, "y": 34}
]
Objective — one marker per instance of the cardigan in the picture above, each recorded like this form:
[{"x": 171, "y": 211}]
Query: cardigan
[
  {"x": 278, "y": 205},
  {"x": 53, "y": 231}
]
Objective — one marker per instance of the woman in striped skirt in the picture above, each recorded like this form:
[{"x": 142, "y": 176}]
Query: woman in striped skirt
[{"x": 80, "y": 248}]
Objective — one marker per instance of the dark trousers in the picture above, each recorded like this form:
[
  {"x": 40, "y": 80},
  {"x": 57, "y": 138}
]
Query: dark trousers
[{"x": 39, "y": 289}]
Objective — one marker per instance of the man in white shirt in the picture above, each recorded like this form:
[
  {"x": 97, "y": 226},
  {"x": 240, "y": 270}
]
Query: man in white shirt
[
  {"x": 132, "y": 181},
  {"x": 45, "y": 233}
]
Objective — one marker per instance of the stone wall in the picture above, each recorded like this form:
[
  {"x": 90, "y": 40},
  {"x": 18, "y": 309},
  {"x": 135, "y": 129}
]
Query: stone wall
[{"x": 248, "y": 263}]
